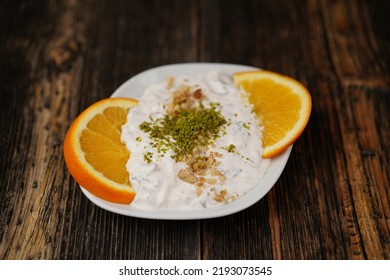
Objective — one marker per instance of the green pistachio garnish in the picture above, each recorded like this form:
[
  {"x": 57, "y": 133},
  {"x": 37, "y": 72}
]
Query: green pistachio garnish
[{"x": 185, "y": 131}]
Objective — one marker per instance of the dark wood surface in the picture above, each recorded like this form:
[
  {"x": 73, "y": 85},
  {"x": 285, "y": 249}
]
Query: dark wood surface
[{"x": 331, "y": 202}]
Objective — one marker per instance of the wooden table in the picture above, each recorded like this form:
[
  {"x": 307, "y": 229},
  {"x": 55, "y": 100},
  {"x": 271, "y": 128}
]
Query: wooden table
[{"x": 331, "y": 202}]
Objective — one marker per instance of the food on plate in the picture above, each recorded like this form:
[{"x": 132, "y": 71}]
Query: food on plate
[
  {"x": 190, "y": 142},
  {"x": 195, "y": 143},
  {"x": 94, "y": 153},
  {"x": 282, "y": 104}
]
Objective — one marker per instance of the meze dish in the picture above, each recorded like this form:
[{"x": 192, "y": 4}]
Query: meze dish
[{"x": 190, "y": 142}]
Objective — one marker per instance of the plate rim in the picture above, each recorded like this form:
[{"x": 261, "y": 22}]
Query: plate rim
[{"x": 277, "y": 164}]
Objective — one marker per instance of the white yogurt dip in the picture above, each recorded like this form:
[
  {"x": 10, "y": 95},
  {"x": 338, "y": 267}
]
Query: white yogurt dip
[{"x": 154, "y": 176}]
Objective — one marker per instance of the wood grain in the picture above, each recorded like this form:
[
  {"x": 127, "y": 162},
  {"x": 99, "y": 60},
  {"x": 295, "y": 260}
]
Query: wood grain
[{"x": 331, "y": 202}]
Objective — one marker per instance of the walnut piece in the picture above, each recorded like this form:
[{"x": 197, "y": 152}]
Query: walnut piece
[
  {"x": 198, "y": 94},
  {"x": 221, "y": 196},
  {"x": 187, "y": 176}
]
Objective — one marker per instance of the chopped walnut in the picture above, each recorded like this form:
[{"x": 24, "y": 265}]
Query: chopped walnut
[
  {"x": 198, "y": 94},
  {"x": 221, "y": 196},
  {"x": 180, "y": 96},
  {"x": 200, "y": 172},
  {"x": 218, "y": 155},
  {"x": 211, "y": 181},
  {"x": 199, "y": 150},
  {"x": 200, "y": 165},
  {"x": 222, "y": 178},
  {"x": 198, "y": 190},
  {"x": 215, "y": 172},
  {"x": 211, "y": 160},
  {"x": 184, "y": 97},
  {"x": 186, "y": 105},
  {"x": 187, "y": 176}
]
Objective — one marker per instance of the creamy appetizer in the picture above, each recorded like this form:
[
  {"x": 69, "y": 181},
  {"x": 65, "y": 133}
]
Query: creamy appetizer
[{"x": 194, "y": 142}]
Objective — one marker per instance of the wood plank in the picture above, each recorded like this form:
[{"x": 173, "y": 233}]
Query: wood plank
[{"x": 360, "y": 73}]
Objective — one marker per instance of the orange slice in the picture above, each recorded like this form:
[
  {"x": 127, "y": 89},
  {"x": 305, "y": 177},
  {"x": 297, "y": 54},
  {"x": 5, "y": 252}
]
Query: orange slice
[
  {"x": 282, "y": 104},
  {"x": 94, "y": 153}
]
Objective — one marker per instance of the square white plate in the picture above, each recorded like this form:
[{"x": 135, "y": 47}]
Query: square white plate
[{"x": 134, "y": 88}]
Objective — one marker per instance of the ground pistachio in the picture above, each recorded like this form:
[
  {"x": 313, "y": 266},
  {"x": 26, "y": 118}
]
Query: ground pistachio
[{"x": 185, "y": 131}]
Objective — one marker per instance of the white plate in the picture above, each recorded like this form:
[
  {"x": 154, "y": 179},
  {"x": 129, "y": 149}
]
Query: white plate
[{"x": 134, "y": 88}]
